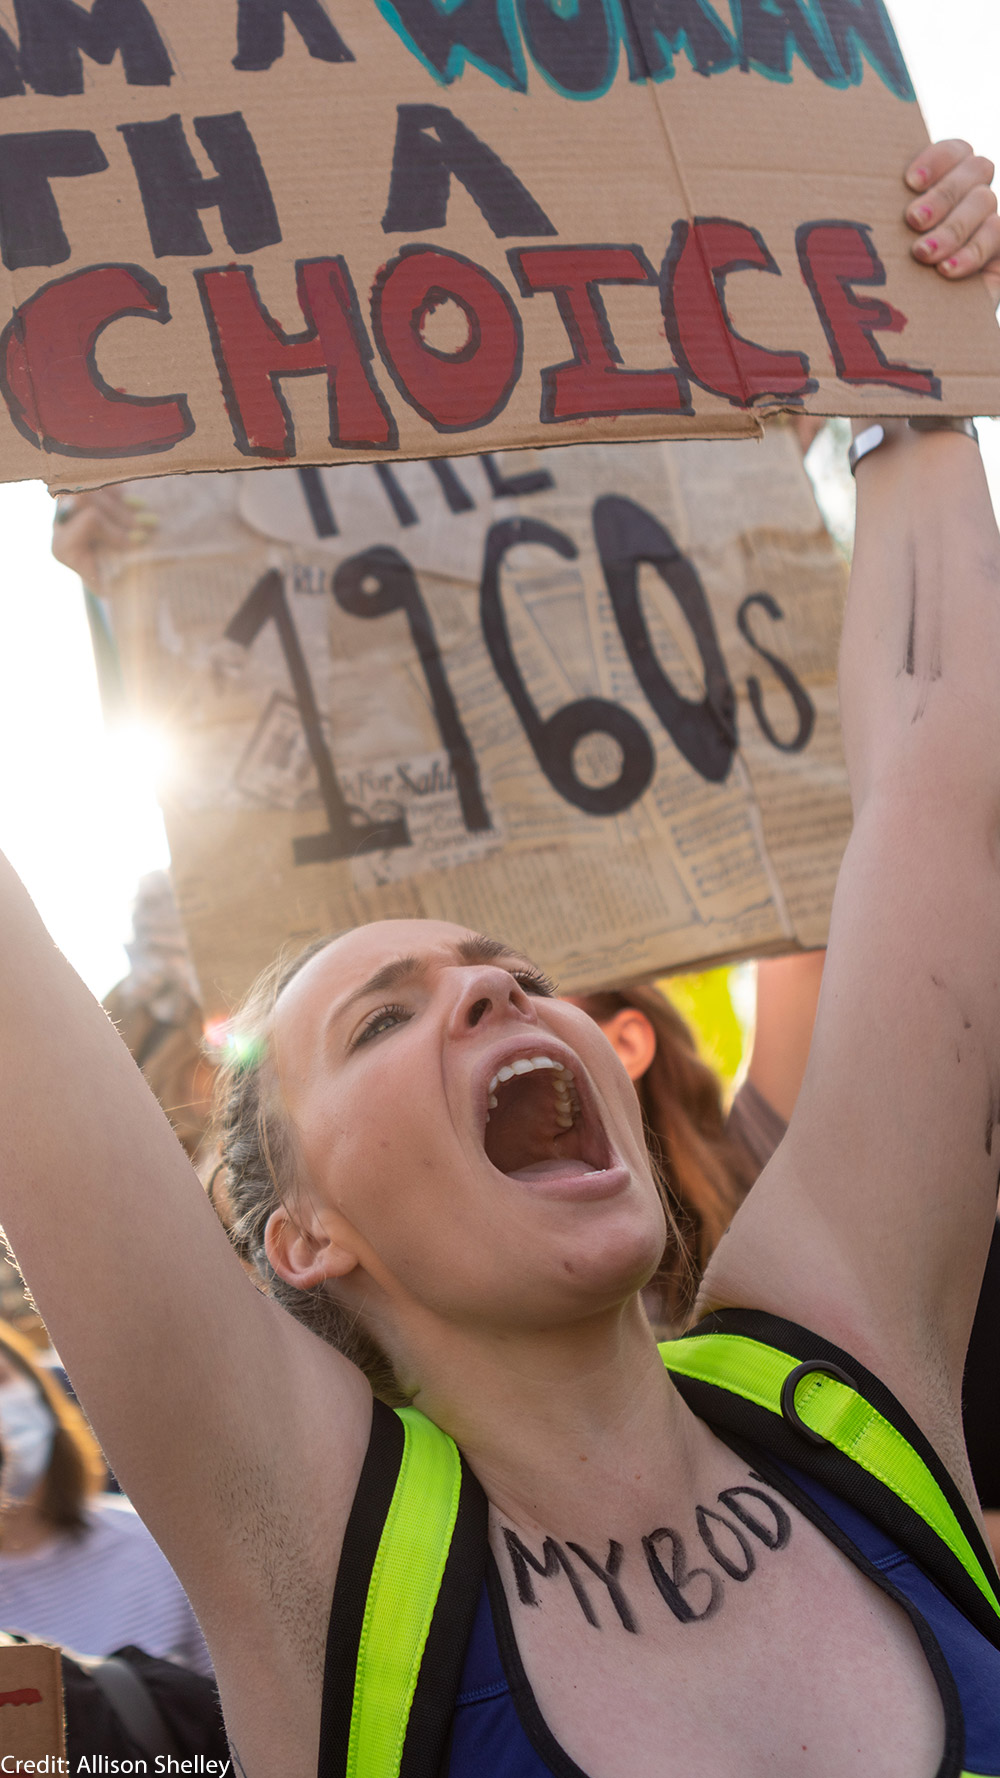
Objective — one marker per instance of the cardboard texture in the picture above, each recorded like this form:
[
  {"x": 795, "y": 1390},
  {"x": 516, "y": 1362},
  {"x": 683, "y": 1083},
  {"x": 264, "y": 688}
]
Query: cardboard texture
[
  {"x": 583, "y": 700},
  {"x": 31, "y": 1705},
  {"x": 250, "y": 232}
]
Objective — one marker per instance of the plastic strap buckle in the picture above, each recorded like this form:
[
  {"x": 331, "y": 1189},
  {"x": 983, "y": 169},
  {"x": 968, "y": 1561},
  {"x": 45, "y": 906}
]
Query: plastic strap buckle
[{"x": 789, "y": 1411}]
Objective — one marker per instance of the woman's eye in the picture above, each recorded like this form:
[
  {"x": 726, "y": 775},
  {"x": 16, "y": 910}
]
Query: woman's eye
[
  {"x": 534, "y": 982},
  {"x": 385, "y": 1018}
]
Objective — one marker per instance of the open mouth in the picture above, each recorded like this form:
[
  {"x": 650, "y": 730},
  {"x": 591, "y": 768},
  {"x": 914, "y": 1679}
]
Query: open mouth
[{"x": 538, "y": 1126}]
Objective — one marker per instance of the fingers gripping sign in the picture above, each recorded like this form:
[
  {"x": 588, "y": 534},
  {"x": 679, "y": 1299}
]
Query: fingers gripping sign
[{"x": 955, "y": 213}]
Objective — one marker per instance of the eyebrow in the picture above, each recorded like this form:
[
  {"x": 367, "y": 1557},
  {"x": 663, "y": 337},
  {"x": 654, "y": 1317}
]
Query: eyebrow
[{"x": 477, "y": 948}]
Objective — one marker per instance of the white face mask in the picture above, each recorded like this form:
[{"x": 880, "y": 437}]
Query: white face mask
[{"x": 27, "y": 1429}]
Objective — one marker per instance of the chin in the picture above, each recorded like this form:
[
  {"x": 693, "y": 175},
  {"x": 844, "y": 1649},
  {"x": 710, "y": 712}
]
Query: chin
[{"x": 608, "y": 1266}]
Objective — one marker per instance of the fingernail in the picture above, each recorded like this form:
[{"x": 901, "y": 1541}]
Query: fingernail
[
  {"x": 922, "y": 212},
  {"x": 918, "y": 179},
  {"x": 951, "y": 265},
  {"x": 925, "y": 248}
]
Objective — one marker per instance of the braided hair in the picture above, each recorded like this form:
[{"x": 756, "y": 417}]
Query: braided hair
[{"x": 256, "y": 1173}]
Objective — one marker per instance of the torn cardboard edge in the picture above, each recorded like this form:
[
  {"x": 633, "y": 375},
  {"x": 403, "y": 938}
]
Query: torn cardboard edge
[{"x": 415, "y": 233}]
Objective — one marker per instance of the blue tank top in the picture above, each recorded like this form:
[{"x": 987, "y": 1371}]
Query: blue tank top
[{"x": 499, "y": 1732}]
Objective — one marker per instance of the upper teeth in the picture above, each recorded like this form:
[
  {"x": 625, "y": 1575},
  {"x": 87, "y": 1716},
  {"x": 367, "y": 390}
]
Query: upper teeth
[
  {"x": 525, "y": 1065},
  {"x": 567, "y": 1102}
]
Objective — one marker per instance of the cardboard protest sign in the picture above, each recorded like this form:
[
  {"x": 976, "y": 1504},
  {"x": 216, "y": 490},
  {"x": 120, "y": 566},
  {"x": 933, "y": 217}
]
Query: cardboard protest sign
[
  {"x": 584, "y": 701},
  {"x": 31, "y": 1707},
  {"x": 255, "y": 232}
]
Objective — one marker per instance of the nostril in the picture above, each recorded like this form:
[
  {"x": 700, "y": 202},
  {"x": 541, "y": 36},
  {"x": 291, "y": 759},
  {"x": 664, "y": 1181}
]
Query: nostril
[{"x": 476, "y": 1012}]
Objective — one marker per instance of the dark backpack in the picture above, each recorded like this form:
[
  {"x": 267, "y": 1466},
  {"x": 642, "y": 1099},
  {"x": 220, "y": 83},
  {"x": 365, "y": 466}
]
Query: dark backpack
[{"x": 134, "y": 1706}]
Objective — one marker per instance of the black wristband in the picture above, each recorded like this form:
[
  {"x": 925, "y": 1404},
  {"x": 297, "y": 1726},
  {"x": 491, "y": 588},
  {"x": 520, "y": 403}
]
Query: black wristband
[{"x": 874, "y": 435}]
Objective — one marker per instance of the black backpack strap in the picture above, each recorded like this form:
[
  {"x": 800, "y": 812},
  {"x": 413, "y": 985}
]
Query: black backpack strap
[
  {"x": 792, "y": 1393},
  {"x": 133, "y": 1703},
  {"x": 414, "y": 1552}
]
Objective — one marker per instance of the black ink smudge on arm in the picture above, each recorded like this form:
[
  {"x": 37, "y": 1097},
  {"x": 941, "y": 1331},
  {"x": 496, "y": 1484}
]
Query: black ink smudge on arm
[
  {"x": 992, "y": 1115},
  {"x": 911, "y": 636}
]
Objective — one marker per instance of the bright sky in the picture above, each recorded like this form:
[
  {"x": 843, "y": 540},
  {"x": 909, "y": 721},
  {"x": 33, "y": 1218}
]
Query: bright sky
[{"x": 78, "y": 817}]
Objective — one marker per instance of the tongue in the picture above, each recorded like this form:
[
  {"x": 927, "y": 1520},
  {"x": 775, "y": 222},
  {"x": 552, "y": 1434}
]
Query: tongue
[{"x": 553, "y": 1169}]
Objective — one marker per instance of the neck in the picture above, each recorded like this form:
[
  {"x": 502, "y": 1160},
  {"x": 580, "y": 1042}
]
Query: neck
[
  {"x": 22, "y": 1529},
  {"x": 568, "y": 1426}
]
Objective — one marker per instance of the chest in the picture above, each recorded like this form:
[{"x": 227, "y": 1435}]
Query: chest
[{"x": 660, "y": 1657}]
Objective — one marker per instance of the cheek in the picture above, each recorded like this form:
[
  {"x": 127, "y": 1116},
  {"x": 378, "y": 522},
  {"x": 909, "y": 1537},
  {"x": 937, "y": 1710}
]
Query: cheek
[
  {"x": 373, "y": 1146},
  {"x": 626, "y": 1112}
]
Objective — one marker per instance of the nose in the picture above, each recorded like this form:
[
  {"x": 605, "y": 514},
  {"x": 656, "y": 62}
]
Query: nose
[{"x": 487, "y": 993}]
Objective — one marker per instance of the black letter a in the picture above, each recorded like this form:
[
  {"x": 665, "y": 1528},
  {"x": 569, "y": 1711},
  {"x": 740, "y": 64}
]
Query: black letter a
[
  {"x": 260, "y": 33},
  {"x": 431, "y": 145}
]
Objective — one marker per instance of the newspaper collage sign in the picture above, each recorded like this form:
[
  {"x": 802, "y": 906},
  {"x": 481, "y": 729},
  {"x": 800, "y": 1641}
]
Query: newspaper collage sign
[
  {"x": 584, "y": 700},
  {"x": 268, "y": 231}
]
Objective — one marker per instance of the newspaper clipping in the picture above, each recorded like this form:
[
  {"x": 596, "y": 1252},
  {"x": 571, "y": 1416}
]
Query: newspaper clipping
[{"x": 582, "y": 700}]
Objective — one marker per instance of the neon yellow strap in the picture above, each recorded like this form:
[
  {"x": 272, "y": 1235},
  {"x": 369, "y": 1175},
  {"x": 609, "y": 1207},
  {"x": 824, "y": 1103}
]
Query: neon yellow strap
[
  {"x": 757, "y": 1372},
  {"x": 413, "y": 1549},
  {"x": 405, "y": 1583}
]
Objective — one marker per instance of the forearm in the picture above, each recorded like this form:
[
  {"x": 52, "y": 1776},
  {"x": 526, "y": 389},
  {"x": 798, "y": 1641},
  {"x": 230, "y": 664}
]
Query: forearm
[
  {"x": 97, "y": 1198},
  {"x": 902, "y": 1085},
  {"x": 921, "y": 640},
  {"x": 83, "y": 1141}
]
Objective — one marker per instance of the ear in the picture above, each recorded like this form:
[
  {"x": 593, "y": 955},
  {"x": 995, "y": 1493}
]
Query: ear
[
  {"x": 633, "y": 1040},
  {"x": 303, "y": 1257}
]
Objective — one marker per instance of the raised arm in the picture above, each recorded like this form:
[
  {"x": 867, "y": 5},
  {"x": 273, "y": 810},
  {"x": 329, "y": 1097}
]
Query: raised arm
[
  {"x": 871, "y": 1224},
  {"x": 179, "y": 1361}
]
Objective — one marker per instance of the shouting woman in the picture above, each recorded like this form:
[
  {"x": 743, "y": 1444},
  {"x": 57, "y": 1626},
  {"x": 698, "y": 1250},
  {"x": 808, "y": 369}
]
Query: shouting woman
[{"x": 756, "y": 1552}]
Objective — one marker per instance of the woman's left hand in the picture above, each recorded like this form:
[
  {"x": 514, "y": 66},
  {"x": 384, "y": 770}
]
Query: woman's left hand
[{"x": 955, "y": 213}]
